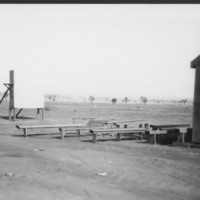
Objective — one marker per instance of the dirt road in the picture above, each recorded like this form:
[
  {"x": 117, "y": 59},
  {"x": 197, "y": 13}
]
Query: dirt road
[{"x": 46, "y": 168}]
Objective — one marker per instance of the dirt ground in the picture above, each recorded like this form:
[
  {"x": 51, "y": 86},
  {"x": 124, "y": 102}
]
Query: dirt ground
[{"x": 44, "y": 167}]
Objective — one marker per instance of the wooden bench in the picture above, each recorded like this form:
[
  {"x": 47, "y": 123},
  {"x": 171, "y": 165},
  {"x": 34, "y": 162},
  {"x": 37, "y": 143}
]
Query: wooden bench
[
  {"x": 156, "y": 129},
  {"x": 115, "y": 131},
  {"x": 59, "y": 126}
]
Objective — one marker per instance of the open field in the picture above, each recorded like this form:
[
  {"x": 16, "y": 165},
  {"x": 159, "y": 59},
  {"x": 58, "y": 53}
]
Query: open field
[{"x": 46, "y": 168}]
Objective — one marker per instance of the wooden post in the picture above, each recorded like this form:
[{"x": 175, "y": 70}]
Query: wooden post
[
  {"x": 11, "y": 96},
  {"x": 179, "y": 137},
  {"x": 25, "y": 132},
  {"x": 118, "y": 137},
  {"x": 94, "y": 138},
  {"x": 196, "y": 104},
  {"x": 79, "y": 132},
  {"x": 146, "y": 126},
  {"x": 62, "y": 134},
  {"x": 183, "y": 137},
  {"x": 14, "y": 116},
  {"x": 42, "y": 113},
  {"x": 154, "y": 138},
  {"x": 10, "y": 110},
  {"x": 38, "y": 113}
]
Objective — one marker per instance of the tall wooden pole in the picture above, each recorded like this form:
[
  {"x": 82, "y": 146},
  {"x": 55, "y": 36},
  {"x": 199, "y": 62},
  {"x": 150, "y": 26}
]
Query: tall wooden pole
[
  {"x": 11, "y": 97},
  {"x": 196, "y": 103},
  {"x": 11, "y": 106}
]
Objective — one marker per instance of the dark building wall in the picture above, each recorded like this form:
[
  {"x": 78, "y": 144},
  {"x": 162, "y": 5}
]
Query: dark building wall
[{"x": 196, "y": 107}]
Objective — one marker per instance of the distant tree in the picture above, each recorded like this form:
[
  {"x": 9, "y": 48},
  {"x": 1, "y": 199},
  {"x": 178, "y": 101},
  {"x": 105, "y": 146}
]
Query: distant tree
[
  {"x": 125, "y": 100},
  {"x": 114, "y": 100},
  {"x": 143, "y": 99},
  {"x": 184, "y": 101},
  {"x": 91, "y": 99},
  {"x": 158, "y": 101}
]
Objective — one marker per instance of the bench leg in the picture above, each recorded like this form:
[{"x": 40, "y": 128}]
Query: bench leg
[
  {"x": 183, "y": 137},
  {"x": 14, "y": 116},
  {"x": 118, "y": 137},
  {"x": 154, "y": 138},
  {"x": 25, "y": 132},
  {"x": 142, "y": 136},
  {"x": 79, "y": 132},
  {"x": 12, "y": 110},
  {"x": 10, "y": 114},
  {"x": 179, "y": 138},
  {"x": 62, "y": 134},
  {"x": 94, "y": 138},
  {"x": 42, "y": 113},
  {"x": 38, "y": 113}
]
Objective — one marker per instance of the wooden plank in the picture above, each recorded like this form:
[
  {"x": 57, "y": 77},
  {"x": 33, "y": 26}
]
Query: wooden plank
[
  {"x": 50, "y": 126},
  {"x": 168, "y": 126},
  {"x": 82, "y": 118},
  {"x": 74, "y": 118},
  {"x": 19, "y": 112},
  {"x": 123, "y": 121},
  {"x": 183, "y": 130},
  {"x": 156, "y": 132},
  {"x": 4, "y": 95},
  {"x": 118, "y": 130}
]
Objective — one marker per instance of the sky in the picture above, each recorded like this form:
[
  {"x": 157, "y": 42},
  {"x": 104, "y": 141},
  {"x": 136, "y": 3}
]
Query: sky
[{"x": 102, "y": 50}]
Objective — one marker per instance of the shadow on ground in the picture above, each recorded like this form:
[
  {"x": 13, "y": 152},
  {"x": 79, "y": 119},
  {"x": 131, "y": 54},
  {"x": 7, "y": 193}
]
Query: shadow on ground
[{"x": 21, "y": 117}]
